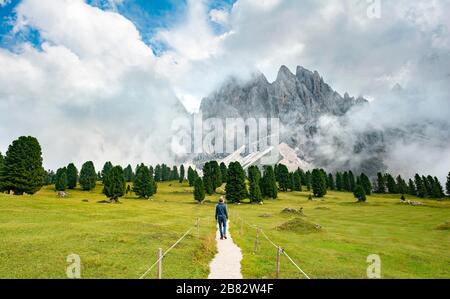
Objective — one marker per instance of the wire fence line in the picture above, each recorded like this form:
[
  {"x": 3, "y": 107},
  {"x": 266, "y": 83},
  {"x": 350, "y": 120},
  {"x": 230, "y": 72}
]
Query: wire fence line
[
  {"x": 168, "y": 250},
  {"x": 271, "y": 242}
]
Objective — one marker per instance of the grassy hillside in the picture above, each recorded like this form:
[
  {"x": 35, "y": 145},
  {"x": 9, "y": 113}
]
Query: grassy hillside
[
  {"x": 120, "y": 241},
  {"x": 413, "y": 242},
  {"x": 114, "y": 241}
]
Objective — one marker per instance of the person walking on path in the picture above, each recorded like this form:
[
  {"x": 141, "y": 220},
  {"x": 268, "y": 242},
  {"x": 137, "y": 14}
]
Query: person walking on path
[{"x": 222, "y": 218}]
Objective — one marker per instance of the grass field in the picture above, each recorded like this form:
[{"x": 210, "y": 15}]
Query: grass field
[{"x": 38, "y": 232}]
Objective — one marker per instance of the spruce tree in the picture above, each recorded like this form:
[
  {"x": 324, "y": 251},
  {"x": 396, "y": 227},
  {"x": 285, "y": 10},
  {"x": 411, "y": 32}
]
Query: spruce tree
[
  {"x": 223, "y": 172},
  {"x": 438, "y": 191},
  {"x": 381, "y": 183},
  {"x": 174, "y": 174},
  {"x": 144, "y": 185},
  {"x": 284, "y": 179},
  {"x": 88, "y": 176},
  {"x": 61, "y": 179},
  {"x": 22, "y": 170},
  {"x": 346, "y": 182},
  {"x": 128, "y": 173},
  {"x": 366, "y": 184},
  {"x": 208, "y": 178},
  {"x": 318, "y": 183},
  {"x": 216, "y": 174},
  {"x": 351, "y": 179},
  {"x": 447, "y": 185},
  {"x": 339, "y": 184},
  {"x": 269, "y": 183},
  {"x": 428, "y": 183},
  {"x": 297, "y": 181},
  {"x": 412, "y": 188},
  {"x": 359, "y": 193},
  {"x": 254, "y": 176},
  {"x": 331, "y": 184},
  {"x": 308, "y": 180},
  {"x": 106, "y": 168},
  {"x": 390, "y": 183},
  {"x": 199, "y": 190},
  {"x": 158, "y": 173},
  {"x": 115, "y": 184},
  {"x": 72, "y": 176},
  {"x": 182, "y": 174},
  {"x": 420, "y": 186},
  {"x": 191, "y": 176},
  {"x": 235, "y": 188}
]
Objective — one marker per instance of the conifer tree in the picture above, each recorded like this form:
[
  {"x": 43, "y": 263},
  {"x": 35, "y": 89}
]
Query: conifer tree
[
  {"x": 308, "y": 180},
  {"x": 216, "y": 173},
  {"x": 447, "y": 185},
  {"x": 72, "y": 176},
  {"x": 381, "y": 183},
  {"x": 346, "y": 182},
  {"x": 297, "y": 182},
  {"x": 412, "y": 188},
  {"x": 114, "y": 186},
  {"x": 128, "y": 172},
  {"x": 191, "y": 176},
  {"x": 428, "y": 183},
  {"x": 284, "y": 180},
  {"x": 401, "y": 186},
  {"x": 88, "y": 176},
  {"x": 182, "y": 174},
  {"x": 359, "y": 193},
  {"x": 61, "y": 179},
  {"x": 158, "y": 173},
  {"x": 22, "y": 170},
  {"x": 144, "y": 185},
  {"x": 223, "y": 172},
  {"x": 208, "y": 178},
  {"x": 339, "y": 184},
  {"x": 106, "y": 168},
  {"x": 390, "y": 183},
  {"x": 352, "y": 182},
  {"x": 199, "y": 190},
  {"x": 420, "y": 186},
  {"x": 438, "y": 191},
  {"x": 235, "y": 188},
  {"x": 254, "y": 176},
  {"x": 366, "y": 184},
  {"x": 269, "y": 183},
  {"x": 331, "y": 184},
  {"x": 318, "y": 183}
]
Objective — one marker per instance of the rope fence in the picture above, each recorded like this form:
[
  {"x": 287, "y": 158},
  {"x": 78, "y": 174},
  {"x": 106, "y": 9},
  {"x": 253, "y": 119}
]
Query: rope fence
[{"x": 280, "y": 250}]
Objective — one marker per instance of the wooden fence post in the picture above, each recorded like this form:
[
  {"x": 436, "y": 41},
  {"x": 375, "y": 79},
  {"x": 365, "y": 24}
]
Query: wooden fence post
[
  {"x": 278, "y": 261},
  {"x": 160, "y": 254},
  {"x": 256, "y": 241}
]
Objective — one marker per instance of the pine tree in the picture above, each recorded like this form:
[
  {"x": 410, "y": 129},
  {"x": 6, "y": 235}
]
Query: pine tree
[
  {"x": 366, "y": 184},
  {"x": 88, "y": 176},
  {"x": 331, "y": 184},
  {"x": 174, "y": 175},
  {"x": 412, "y": 188},
  {"x": 158, "y": 173},
  {"x": 297, "y": 181},
  {"x": 61, "y": 179},
  {"x": 165, "y": 173},
  {"x": 420, "y": 186},
  {"x": 22, "y": 170},
  {"x": 269, "y": 183},
  {"x": 359, "y": 193},
  {"x": 390, "y": 183},
  {"x": 223, "y": 172},
  {"x": 144, "y": 185},
  {"x": 346, "y": 182},
  {"x": 308, "y": 180},
  {"x": 352, "y": 181},
  {"x": 106, "y": 168},
  {"x": 438, "y": 191},
  {"x": 339, "y": 184},
  {"x": 216, "y": 175},
  {"x": 428, "y": 183},
  {"x": 254, "y": 176},
  {"x": 191, "y": 176},
  {"x": 447, "y": 185},
  {"x": 235, "y": 188},
  {"x": 318, "y": 183},
  {"x": 72, "y": 176},
  {"x": 115, "y": 184},
  {"x": 182, "y": 174},
  {"x": 199, "y": 190},
  {"x": 128, "y": 172},
  {"x": 208, "y": 178},
  {"x": 381, "y": 183},
  {"x": 284, "y": 180}
]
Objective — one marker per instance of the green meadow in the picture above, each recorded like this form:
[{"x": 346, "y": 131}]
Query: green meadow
[{"x": 331, "y": 239}]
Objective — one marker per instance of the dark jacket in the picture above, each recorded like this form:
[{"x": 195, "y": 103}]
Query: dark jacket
[{"x": 221, "y": 211}]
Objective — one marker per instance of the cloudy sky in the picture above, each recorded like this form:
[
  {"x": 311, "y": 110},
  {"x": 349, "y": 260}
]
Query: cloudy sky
[{"x": 98, "y": 80}]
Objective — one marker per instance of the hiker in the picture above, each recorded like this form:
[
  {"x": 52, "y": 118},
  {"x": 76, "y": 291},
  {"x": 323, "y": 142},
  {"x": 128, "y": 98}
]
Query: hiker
[{"x": 222, "y": 218}]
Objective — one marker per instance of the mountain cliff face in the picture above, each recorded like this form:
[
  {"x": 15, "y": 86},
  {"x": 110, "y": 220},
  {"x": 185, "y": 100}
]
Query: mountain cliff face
[{"x": 299, "y": 100}]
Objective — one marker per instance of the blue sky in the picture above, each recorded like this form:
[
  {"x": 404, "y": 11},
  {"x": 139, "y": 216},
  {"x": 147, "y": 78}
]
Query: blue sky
[{"x": 147, "y": 15}]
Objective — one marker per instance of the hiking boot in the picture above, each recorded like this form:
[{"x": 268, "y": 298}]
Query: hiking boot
[{"x": 221, "y": 238}]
